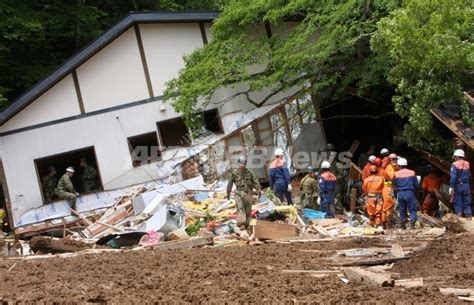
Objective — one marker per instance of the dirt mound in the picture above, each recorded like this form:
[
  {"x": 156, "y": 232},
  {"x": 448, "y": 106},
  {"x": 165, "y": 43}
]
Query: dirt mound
[
  {"x": 219, "y": 275},
  {"x": 448, "y": 261},
  {"x": 43, "y": 245}
]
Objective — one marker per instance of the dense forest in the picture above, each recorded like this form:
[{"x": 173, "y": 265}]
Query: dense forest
[
  {"x": 36, "y": 36},
  {"x": 417, "y": 54}
]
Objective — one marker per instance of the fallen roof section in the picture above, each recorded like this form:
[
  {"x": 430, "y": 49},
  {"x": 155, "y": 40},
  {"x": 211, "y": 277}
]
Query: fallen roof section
[
  {"x": 450, "y": 117},
  {"x": 94, "y": 47}
]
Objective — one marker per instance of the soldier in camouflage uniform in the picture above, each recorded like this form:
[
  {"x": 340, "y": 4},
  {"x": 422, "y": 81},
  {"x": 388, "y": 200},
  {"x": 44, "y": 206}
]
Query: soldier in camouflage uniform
[
  {"x": 245, "y": 182},
  {"x": 65, "y": 188},
  {"x": 89, "y": 177},
  {"x": 49, "y": 183},
  {"x": 309, "y": 190}
]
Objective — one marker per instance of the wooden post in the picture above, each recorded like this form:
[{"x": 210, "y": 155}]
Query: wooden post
[{"x": 353, "y": 200}]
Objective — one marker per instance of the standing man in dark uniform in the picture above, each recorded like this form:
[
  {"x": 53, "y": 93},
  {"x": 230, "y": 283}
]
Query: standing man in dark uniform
[{"x": 89, "y": 177}]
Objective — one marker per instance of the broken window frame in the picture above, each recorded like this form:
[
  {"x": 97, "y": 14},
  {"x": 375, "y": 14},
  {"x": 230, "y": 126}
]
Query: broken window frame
[
  {"x": 152, "y": 155},
  {"x": 60, "y": 173}
]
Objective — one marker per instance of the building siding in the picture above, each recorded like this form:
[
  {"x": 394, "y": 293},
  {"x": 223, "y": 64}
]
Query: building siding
[{"x": 113, "y": 76}]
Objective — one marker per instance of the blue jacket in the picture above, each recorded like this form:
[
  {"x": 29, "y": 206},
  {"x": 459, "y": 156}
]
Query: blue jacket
[
  {"x": 327, "y": 182},
  {"x": 279, "y": 176},
  {"x": 405, "y": 180},
  {"x": 460, "y": 173}
]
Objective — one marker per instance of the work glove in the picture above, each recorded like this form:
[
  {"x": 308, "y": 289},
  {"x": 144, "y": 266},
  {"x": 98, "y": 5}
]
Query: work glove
[
  {"x": 290, "y": 188},
  {"x": 450, "y": 191},
  {"x": 77, "y": 194}
]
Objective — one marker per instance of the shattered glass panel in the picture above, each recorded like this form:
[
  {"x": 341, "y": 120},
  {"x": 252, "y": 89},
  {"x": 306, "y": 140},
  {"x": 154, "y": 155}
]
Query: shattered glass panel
[
  {"x": 294, "y": 118},
  {"x": 307, "y": 109},
  {"x": 279, "y": 134},
  {"x": 249, "y": 138}
]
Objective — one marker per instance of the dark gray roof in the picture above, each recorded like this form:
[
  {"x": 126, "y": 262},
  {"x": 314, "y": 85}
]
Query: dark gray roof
[{"x": 94, "y": 47}]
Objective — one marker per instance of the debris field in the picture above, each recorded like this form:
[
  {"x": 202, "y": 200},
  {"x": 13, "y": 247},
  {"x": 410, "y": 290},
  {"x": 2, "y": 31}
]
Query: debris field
[{"x": 274, "y": 272}]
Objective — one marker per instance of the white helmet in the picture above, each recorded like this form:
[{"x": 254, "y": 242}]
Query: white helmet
[
  {"x": 279, "y": 152},
  {"x": 459, "y": 153},
  {"x": 70, "y": 169},
  {"x": 372, "y": 158},
  {"x": 402, "y": 162},
  {"x": 325, "y": 165},
  {"x": 384, "y": 151}
]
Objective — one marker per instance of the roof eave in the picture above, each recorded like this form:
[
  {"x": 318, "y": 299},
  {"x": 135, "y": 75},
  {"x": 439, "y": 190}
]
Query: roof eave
[{"x": 94, "y": 47}]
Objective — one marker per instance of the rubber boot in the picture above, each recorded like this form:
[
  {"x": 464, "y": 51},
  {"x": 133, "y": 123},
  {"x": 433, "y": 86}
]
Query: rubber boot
[
  {"x": 412, "y": 225},
  {"x": 404, "y": 226}
]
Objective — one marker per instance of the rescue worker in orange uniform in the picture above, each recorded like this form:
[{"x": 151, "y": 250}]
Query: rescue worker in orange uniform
[
  {"x": 366, "y": 169},
  {"x": 378, "y": 163},
  {"x": 430, "y": 183},
  {"x": 372, "y": 188},
  {"x": 387, "y": 193},
  {"x": 384, "y": 155}
]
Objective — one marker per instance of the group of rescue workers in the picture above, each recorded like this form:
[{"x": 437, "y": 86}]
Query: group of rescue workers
[
  {"x": 64, "y": 188},
  {"x": 386, "y": 181}
]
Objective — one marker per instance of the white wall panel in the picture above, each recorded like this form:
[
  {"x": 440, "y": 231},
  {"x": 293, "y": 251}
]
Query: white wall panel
[
  {"x": 104, "y": 131},
  {"x": 113, "y": 76},
  {"x": 165, "y": 45},
  {"x": 58, "y": 102}
]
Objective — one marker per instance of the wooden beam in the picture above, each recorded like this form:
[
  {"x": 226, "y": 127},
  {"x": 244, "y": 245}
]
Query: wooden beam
[
  {"x": 409, "y": 283},
  {"x": 203, "y": 33},
  {"x": 371, "y": 262},
  {"x": 365, "y": 275},
  {"x": 466, "y": 292},
  {"x": 144, "y": 62},
  {"x": 353, "y": 200},
  {"x": 78, "y": 91},
  {"x": 397, "y": 250},
  {"x": 183, "y": 244}
]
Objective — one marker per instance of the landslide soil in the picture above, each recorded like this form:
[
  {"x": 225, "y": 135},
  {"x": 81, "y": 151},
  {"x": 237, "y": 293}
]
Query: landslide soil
[
  {"x": 448, "y": 262},
  {"x": 250, "y": 274}
]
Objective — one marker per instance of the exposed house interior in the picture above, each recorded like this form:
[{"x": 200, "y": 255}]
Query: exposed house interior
[
  {"x": 61, "y": 161},
  {"x": 144, "y": 149}
]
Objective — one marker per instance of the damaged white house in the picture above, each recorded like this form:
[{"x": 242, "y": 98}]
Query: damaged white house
[{"x": 105, "y": 104}]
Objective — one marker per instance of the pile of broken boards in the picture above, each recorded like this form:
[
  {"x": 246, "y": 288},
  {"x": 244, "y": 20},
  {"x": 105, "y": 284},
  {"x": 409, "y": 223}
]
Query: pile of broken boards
[{"x": 203, "y": 217}]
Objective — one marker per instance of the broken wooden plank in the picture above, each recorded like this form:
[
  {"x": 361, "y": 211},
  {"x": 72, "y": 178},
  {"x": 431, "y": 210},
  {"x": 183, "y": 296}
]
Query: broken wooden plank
[
  {"x": 272, "y": 230},
  {"x": 183, "y": 244},
  {"x": 397, "y": 250},
  {"x": 353, "y": 200},
  {"x": 325, "y": 222},
  {"x": 299, "y": 240},
  {"x": 321, "y": 230},
  {"x": 368, "y": 276},
  {"x": 409, "y": 283},
  {"x": 465, "y": 292},
  {"x": 310, "y": 271},
  {"x": 370, "y": 262}
]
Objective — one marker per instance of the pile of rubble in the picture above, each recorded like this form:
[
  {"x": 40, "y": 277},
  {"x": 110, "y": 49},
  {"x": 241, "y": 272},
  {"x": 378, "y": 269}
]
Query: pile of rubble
[{"x": 191, "y": 214}]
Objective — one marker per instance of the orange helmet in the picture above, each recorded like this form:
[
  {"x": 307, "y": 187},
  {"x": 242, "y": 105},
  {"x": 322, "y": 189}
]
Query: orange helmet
[
  {"x": 373, "y": 169},
  {"x": 378, "y": 162}
]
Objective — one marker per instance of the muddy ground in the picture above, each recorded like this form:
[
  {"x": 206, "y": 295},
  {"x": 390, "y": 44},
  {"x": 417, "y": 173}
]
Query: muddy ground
[{"x": 231, "y": 275}]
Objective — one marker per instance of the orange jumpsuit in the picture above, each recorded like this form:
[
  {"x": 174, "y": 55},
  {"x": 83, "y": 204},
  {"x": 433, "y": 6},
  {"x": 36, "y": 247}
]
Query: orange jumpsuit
[
  {"x": 430, "y": 183},
  {"x": 388, "y": 202},
  {"x": 366, "y": 170},
  {"x": 372, "y": 187},
  {"x": 385, "y": 162}
]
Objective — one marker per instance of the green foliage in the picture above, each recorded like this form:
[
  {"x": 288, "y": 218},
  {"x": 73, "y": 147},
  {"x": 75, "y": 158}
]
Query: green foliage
[
  {"x": 37, "y": 36},
  {"x": 193, "y": 229},
  {"x": 328, "y": 50},
  {"x": 429, "y": 44}
]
